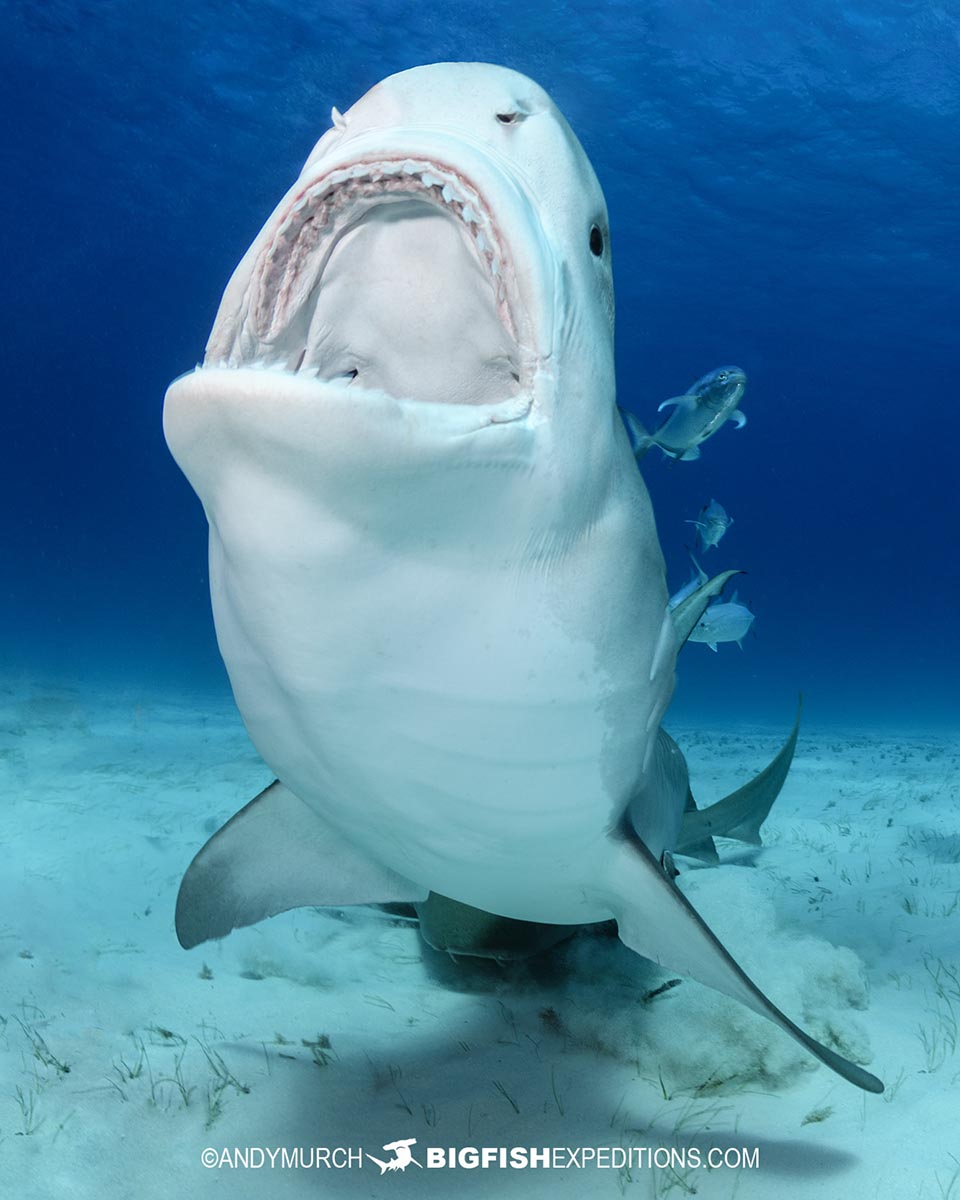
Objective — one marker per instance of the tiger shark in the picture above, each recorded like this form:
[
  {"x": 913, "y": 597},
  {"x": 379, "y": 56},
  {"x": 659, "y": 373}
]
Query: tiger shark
[{"x": 434, "y": 569}]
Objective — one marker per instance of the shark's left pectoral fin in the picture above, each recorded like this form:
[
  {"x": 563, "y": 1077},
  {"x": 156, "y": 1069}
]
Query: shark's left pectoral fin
[
  {"x": 739, "y": 419},
  {"x": 277, "y": 854},
  {"x": 656, "y": 920}
]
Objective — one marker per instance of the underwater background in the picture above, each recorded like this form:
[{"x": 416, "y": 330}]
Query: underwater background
[
  {"x": 782, "y": 183},
  {"x": 783, "y": 187}
]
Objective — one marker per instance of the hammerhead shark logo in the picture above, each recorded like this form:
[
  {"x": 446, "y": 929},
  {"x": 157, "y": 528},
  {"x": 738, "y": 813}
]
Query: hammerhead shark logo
[{"x": 402, "y": 1158}]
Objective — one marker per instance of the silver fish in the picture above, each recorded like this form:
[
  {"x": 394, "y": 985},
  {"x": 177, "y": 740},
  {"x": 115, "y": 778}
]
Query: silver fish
[
  {"x": 697, "y": 415},
  {"x": 729, "y": 621},
  {"x": 712, "y": 523}
]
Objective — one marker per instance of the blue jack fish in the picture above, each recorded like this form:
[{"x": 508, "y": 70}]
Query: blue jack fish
[
  {"x": 697, "y": 415},
  {"x": 723, "y": 621},
  {"x": 711, "y": 524}
]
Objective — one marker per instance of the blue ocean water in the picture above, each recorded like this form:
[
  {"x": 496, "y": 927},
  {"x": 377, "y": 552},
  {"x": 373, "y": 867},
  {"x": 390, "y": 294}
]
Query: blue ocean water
[{"x": 782, "y": 185}]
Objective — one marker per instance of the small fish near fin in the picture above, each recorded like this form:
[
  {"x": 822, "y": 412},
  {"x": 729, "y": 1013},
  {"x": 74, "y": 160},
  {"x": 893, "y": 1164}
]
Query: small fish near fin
[
  {"x": 740, "y": 814},
  {"x": 640, "y": 440},
  {"x": 273, "y": 855},
  {"x": 689, "y": 611},
  {"x": 656, "y": 920}
]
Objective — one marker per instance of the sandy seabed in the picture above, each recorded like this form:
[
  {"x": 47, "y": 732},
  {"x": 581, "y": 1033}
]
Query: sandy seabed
[{"x": 123, "y": 1058}]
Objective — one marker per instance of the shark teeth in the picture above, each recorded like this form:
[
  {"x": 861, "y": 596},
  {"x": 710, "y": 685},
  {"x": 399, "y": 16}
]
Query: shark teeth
[{"x": 325, "y": 203}]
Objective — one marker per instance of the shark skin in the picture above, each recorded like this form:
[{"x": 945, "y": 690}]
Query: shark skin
[
  {"x": 434, "y": 568},
  {"x": 459, "y": 929}
]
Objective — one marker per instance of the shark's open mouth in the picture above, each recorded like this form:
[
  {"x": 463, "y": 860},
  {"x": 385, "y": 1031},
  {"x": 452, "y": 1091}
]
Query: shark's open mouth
[{"x": 390, "y": 275}]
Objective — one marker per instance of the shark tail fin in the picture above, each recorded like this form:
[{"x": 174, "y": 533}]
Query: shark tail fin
[
  {"x": 740, "y": 814},
  {"x": 704, "y": 848},
  {"x": 758, "y": 795}
]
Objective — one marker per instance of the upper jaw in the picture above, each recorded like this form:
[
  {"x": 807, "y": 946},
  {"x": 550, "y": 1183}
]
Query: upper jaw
[{"x": 262, "y": 318}]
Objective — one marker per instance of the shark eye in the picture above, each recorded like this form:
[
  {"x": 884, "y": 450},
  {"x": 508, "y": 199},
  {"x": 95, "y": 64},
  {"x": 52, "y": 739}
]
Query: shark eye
[
  {"x": 596, "y": 241},
  {"x": 722, "y": 377}
]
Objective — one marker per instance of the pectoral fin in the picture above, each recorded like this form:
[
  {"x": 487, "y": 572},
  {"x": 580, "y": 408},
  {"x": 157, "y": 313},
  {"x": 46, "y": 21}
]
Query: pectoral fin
[
  {"x": 656, "y": 920},
  {"x": 689, "y": 402},
  {"x": 273, "y": 855},
  {"x": 739, "y": 419}
]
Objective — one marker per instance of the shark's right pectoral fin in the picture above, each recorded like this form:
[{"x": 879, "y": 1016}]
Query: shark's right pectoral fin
[{"x": 277, "y": 854}]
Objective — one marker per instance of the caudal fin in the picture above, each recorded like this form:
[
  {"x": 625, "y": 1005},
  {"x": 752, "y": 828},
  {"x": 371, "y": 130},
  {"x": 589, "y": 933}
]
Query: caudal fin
[{"x": 740, "y": 814}]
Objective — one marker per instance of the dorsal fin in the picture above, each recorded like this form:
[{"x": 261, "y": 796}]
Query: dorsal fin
[{"x": 688, "y": 612}]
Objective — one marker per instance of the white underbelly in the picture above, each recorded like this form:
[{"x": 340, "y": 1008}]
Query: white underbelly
[{"x": 458, "y": 723}]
